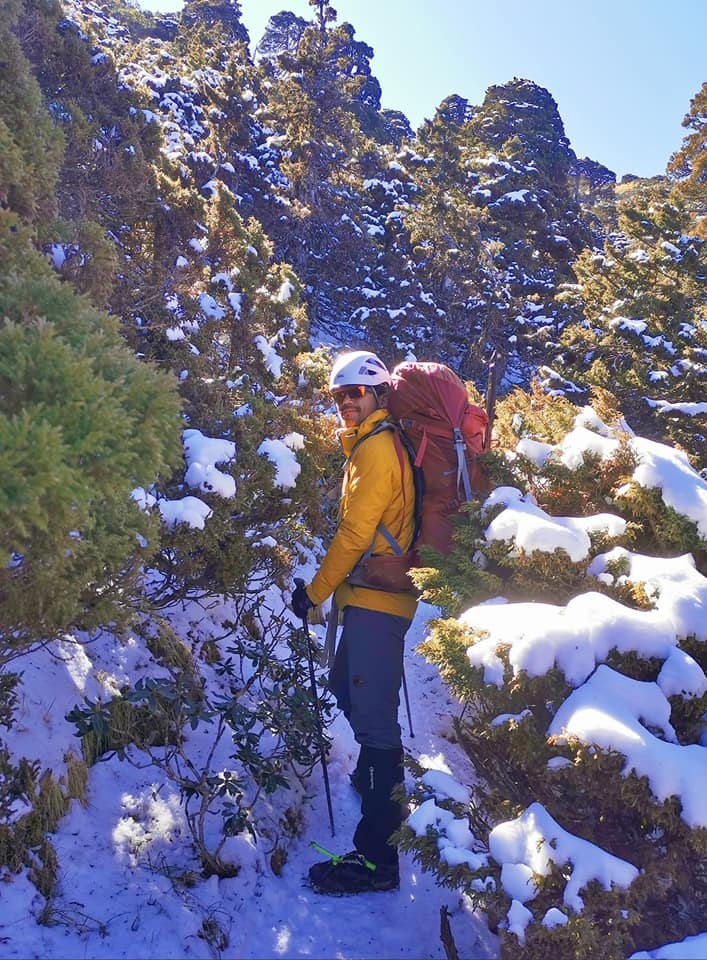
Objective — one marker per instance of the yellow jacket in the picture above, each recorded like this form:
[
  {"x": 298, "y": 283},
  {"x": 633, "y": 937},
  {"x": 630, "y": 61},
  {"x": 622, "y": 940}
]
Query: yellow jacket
[{"x": 371, "y": 494}]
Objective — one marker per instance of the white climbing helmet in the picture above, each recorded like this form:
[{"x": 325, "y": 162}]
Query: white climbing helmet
[{"x": 359, "y": 366}]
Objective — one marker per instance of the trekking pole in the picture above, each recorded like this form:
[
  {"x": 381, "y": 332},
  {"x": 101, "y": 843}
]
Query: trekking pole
[
  {"x": 318, "y": 715},
  {"x": 407, "y": 704}
]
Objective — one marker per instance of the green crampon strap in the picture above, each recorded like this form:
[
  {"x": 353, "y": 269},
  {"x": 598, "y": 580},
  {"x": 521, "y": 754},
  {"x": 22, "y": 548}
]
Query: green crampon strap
[{"x": 336, "y": 857}]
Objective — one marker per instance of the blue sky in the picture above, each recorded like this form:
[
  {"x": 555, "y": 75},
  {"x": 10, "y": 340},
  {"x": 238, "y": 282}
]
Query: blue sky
[{"x": 622, "y": 72}]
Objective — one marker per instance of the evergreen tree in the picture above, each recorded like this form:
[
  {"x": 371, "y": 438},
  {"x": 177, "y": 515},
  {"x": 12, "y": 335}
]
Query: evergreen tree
[
  {"x": 283, "y": 33},
  {"x": 595, "y": 190},
  {"x": 207, "y": 301},
  {"x": 206, "y": 115},
  {"x": 519, "y": 162},
  {"x": 229, "y": 296},
  {"x": 82, "y": 423},
  {"x": 237, "y": 329},
  {"x": 397, "y": 127},
  {"x": 106, "y": 188},
  {"x": 31, "y": 147},
  {"x": 199, "y": 16},
  {"x": 395, "y": 310},
  {"x": 209, "y": 30},
  {"x": 443, "y": 224},
  {"x": 689, "y": 164},
  {"x": 311, "y": 106},
  {"x": 644, "y": 322}
]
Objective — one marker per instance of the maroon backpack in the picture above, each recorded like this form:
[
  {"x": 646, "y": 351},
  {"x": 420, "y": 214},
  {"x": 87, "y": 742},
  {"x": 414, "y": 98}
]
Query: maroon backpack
[
  {"x": 448, "y": 433},
  {"x": 444, "y": 435}
]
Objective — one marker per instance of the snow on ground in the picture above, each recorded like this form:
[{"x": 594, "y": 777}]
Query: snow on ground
[
  {"x": 128, "y": 881},
  {"x": 128, "y": 889}
]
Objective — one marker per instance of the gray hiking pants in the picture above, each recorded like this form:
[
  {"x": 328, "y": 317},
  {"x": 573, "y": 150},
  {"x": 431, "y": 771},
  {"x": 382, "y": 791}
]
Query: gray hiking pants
[{"x": 367, "y": 675}]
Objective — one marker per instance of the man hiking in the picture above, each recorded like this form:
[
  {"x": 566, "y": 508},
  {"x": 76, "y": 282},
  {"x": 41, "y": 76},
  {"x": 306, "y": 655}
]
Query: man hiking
[{"x": 377, "y": 499}]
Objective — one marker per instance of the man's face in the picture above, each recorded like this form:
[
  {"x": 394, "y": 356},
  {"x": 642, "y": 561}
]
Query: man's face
[{"x": 355, "y": 404}]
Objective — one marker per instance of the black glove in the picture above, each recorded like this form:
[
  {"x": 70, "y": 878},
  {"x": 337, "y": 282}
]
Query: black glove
[{"x": 300, "y": 602}]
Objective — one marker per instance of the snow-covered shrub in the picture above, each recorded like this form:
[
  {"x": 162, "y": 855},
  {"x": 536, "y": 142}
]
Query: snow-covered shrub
[
  {"x": 248, "y": 496},
  {"x": 234, "y": 331},
  {"x": 580, "y": 667},
  {"x": 32, "y": 802},
  {"x": 229, "y": 725}
]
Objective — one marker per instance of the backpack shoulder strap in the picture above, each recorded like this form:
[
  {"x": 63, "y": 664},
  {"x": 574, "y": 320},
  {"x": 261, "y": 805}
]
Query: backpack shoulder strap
[
  {"x": 379, "y": 428},
  {"x": 401, "y": 443}
]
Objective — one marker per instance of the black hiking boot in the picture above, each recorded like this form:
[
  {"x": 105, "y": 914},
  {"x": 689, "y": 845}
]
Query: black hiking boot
[{"x": 351, "y": 874}]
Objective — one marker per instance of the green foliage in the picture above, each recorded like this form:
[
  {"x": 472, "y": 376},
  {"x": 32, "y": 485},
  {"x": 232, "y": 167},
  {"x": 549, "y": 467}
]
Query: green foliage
[
  {"x": 589, "y": 488},
  {"x": 31, "y": 147},
  {"x": 595, "y": 186},
  {"x": 589, "y": 793},
  {"x": 262, "y": 706},
  {"x": 657, "y": 528},
  {"x": 243, "y": 329},
  {"x": 91, "y": 263},
  {"x": 82, "y": 423},
  {"x": 23, "y": 839},
  {"x": 445, "y": 238},
  {"x": 503, "y": 723},
  {"x": 513, "y": 755},
  {"x": 251, "y": 541},
  {"x": 105, "y": 192},
  {"x": 454, "y": 581},
  {"x": 251, "y": 297},
  {"x": 426, "y": 250},
  {"x": 476, "y": 569},
  {"x": 312, "y": 97},
  {"x": 137, "y": 21},
  {"x": 688, "y": 164},
  {"x": 446, "y": 647},
  {"x": 533, "y": 413},
  {"x": 642, "y": 325},
  {"x": 314, "y": 100},
  {"x": 527, "y": 574},
  {"x": 608, "y": 934},
  {"x": 531, "y": 222},
  {"x": 8, "y": 697}
]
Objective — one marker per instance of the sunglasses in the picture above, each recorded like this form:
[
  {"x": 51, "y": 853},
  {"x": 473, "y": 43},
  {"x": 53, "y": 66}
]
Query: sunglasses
[{"x": 356, "y": 392}]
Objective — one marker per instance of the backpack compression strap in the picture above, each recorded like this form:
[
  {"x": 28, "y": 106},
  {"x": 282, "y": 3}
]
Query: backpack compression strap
[
  {"x": 462, "y": 470},
  {"x": 428, "y": 430}
]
